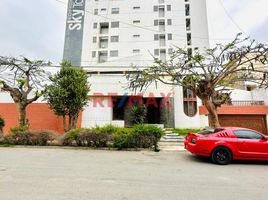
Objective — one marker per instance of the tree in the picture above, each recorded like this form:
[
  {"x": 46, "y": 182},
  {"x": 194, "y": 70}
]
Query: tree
[
  {"x": 207, "y": 74},
  {"x": 24, "y": 79},
  {"x": 2, "y": 124},
  {"x": 67, "y": 94}
]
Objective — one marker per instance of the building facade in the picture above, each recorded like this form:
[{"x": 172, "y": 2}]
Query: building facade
[{"x": 110, "y": 37}]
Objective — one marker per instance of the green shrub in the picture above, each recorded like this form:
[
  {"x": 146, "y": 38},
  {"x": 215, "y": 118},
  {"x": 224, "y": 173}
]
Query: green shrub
[
  {"x": 92, "y": 138},
  {"x": 18, "y": 136},
  {"x": 110, "y": 129},
  {"x": 18, "y": 129},
  {"x": 71, "y": 136},
  {"x": 95, "y": 137},
  {"x": 140, "y": 136},
  {"x": 40, "y": 138},
  {"x": 121, "y": 138}
]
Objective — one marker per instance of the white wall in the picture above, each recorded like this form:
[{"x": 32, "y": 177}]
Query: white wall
[
  {"x": 241, "y": 95},
  {"x": 117, "y": 84},
  {"x": 260, "y": 95},
  {"x": 181, "y": 119},
  {"x": 93, "y": 116}
]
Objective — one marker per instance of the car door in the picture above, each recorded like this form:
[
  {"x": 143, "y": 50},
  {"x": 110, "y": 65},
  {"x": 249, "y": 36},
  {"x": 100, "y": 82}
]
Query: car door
[{"x": 251, "y": 144}]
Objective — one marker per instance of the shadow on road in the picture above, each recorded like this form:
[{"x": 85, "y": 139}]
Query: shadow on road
[
  {"x": 195, "y": 158},
  {"x": 248, "y": 162},
  {"x": 200, "y": 159}
]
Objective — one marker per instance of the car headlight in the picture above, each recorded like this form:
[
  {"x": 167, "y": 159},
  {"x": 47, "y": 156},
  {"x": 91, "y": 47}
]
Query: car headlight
[{"x": 193, "y": 140}]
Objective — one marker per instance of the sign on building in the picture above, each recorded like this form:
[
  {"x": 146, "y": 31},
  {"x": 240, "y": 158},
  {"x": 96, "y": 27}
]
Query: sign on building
[{"x": 74, "y": 31}]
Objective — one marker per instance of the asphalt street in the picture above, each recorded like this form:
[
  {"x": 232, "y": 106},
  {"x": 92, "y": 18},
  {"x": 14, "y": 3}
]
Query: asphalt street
[{"x": 61, "y": 174}]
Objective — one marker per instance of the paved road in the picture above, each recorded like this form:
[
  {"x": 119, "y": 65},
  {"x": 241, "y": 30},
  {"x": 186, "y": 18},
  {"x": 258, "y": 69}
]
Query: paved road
[{"x": 56, "y": 174}]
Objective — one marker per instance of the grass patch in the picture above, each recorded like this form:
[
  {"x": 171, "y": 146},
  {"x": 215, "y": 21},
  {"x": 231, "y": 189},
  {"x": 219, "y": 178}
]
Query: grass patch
[{"x": 183, "y": 132}]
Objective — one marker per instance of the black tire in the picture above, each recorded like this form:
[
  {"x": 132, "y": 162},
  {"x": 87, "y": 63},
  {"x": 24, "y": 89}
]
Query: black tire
[{"x": 221, "y": 156}]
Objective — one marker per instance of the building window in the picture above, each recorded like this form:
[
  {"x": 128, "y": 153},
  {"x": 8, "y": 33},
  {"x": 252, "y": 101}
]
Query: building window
[
  {"x": 136, "y": 51},
  {"x": 115, "y": 10},
  {"x": 169, "y": 36},
  {"x": 114, "y": 38},
  {"x": 168, "y": 7},
  {"x": 161, "y": 11},
  {"x": 94, "y": 39},
  {"x": 103, "y": 56},
  {"x": 169, "y": 22},
  {"x": 95, "y": 25},
  {"x": 190, "y": 52},
  {"x": 156, "y": 52},
  {"x": 114, "y": 24},
  {"x": 189, "y": 39},
  {"x": 161, "y": 1},
  {"x": 103, "y": 42},
  {"x": 104, "y": 28},
  {"x": 95, "y": 11},
  {"x": 103, "y": 9},
  {"x": 136, "y": 21},
  {"x": 114, "y": 53},
  {"x": 162, "y": 39},
  {"x": 189, "y": 102},
  {"x": 93, "y": 54},
  {"x": 136, "y": 8},
  {"x": 188, "y": 24},
  {"x": 187, "y": 9},
  {"x": 170, "y": 51},
  {"x": 162, "y": 25},
  {"x": 156, "y": 36},
  {"x": 136, "y": 36},
  {"x": 163, "y": 55}
]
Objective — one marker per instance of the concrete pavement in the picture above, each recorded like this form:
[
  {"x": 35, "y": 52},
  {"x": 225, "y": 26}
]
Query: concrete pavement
[{"x": 61, "y": 174}]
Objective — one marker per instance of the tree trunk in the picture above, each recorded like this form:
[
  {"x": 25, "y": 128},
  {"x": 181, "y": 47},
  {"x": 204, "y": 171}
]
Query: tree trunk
[
  {"x": 22, "y": 115},
  {"x": 212, "y": 110},
  {"x": 69, "y": 122},
  {"x": 72, "y": 122},
  {"x": 64, "y": 123},
  {"x": 1, "y": 131}
]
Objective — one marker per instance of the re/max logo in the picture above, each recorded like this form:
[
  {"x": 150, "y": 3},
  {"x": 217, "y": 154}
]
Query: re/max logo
[{"x": 75, "y": 15}]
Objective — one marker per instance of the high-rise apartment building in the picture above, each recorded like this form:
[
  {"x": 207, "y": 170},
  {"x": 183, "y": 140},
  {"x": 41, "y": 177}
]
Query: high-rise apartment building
[
  {"x": 109, "y": 37},
  {"x": 121, "y": 33}
]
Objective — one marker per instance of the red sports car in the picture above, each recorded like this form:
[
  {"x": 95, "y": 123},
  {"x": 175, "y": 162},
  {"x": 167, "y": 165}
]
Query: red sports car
[{"x": 223, "y": 145}]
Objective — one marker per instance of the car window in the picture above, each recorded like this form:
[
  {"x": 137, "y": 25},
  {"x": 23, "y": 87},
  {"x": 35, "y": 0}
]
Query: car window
[
  {"x": 210, "y": 131},
  {"x": 246, "y": 134}
]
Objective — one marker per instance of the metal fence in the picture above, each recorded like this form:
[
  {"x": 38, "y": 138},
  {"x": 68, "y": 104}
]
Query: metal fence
[{"x": 245, "y": 103}]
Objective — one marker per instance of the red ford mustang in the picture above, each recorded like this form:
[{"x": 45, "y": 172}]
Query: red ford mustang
[{"x": 223, "y": 145}]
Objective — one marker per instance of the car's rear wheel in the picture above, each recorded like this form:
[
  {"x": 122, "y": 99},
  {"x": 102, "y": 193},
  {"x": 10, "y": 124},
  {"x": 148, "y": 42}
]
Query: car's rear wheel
[{"x": 221, "y": 156}]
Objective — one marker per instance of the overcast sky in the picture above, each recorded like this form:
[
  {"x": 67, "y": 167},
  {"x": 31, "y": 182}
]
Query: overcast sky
[{"x": 35, "y": 28}]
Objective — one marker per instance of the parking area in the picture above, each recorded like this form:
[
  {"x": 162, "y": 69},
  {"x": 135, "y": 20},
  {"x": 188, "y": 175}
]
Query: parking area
[{"x": 54, "y": 173}]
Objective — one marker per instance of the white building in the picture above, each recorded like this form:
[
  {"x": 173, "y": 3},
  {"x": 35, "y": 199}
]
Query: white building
[{"x": 109, "y": 37}]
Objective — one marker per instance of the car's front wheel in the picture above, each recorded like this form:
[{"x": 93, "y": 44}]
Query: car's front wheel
[{"x": 221, "y": 156}]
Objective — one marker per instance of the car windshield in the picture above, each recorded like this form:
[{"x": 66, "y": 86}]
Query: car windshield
[{"x": 210, "y": 131}]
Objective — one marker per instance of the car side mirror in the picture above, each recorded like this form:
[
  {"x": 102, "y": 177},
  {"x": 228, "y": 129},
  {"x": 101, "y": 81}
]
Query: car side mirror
[{"x": 264, "y": 138}]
